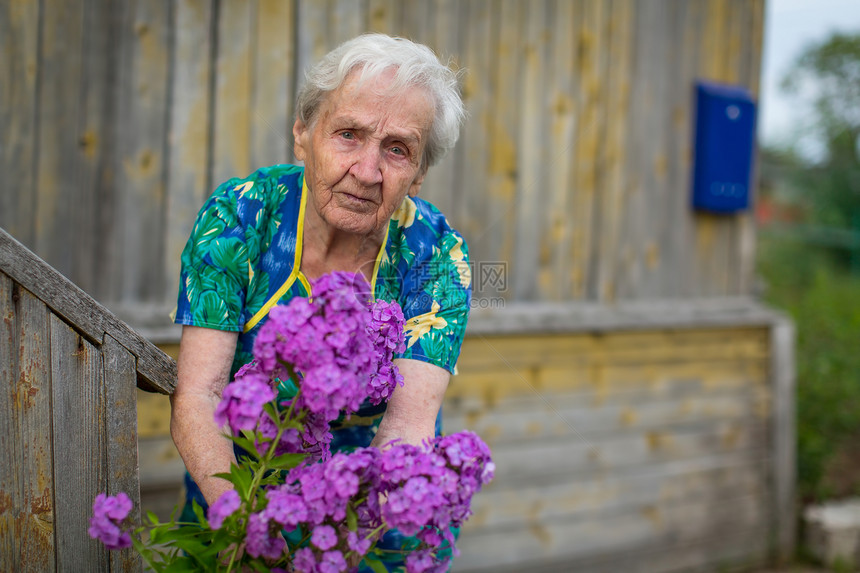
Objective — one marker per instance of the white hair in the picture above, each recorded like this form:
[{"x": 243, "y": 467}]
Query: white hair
[{"x": 415, "y": 65}]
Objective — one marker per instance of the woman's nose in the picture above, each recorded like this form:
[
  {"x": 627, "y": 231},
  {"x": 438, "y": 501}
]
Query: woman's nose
[{"x": 367, "y": 167}]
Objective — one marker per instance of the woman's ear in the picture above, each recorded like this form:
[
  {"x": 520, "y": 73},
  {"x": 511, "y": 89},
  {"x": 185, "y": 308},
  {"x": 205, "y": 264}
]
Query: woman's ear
[
  {"x": 301, "y": 135},
  {"x": 416, "y": 183}
]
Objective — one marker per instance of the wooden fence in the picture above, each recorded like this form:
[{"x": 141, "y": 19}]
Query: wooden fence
[
  {"x": 68, "y": 371},
  {"x": 119, "y": 117}
]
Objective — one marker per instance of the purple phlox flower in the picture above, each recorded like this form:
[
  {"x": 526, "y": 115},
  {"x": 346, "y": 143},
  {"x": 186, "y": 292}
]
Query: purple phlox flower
[
  {"x": 420, "y": 561},
  {"x": 332, "y": 562},
  {"x": 223, "y": 508},
  {"x": 326, "y": 343},
  {"x": 109, "y": 516},
  {"x": 324, "y": 537},
  {"x": 304, "y": 560},
  {"x": 327, "y": 389},
  {"x": 263, "y": 538},
  {"x": 285, "y": 507},
  {"x": 360, "y": 545},
  {"x": 386, "y": 332},
  {"x": 290, "y": 442},
  {"x": 242, "y": 402}
]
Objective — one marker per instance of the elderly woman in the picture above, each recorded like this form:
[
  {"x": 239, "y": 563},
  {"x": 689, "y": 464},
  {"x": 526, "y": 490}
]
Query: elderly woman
[{"x": 373, "y": 116}]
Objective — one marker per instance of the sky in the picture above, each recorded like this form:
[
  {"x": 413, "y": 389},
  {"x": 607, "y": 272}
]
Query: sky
[{"x": 790, "y": 25}]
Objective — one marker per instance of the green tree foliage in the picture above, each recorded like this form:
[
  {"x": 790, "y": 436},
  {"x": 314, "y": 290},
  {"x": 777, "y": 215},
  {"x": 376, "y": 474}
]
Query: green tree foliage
[
  {"x": 812, "y": 281},
  {"x": 828, "y": 76}
]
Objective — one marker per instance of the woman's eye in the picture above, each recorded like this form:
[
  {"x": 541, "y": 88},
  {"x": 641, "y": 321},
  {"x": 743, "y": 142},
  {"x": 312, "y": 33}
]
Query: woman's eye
[
  {"x": 347, "y": 135},
  {"x": 396, "y": 150}
]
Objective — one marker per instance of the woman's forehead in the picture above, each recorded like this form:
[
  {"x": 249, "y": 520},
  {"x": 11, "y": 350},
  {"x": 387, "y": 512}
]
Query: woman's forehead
[{"x": 368, "y": 102}]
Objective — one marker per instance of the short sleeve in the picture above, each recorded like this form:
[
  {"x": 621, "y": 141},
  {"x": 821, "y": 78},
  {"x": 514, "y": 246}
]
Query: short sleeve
[
  {"x": 436, "y": 303},
  {"x": 215, "y": 265}
]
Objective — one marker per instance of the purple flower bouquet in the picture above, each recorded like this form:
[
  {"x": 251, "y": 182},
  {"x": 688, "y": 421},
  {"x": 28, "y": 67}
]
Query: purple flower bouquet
[{"x": 295, "y": 506}]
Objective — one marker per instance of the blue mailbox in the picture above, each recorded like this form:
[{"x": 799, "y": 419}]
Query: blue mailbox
[{"x": 725, "y": 139}]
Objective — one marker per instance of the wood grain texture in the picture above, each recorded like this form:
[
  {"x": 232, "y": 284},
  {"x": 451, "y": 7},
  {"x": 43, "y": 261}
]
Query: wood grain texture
[
  {"x": 121, "y": 438},
  {"x": 574, "y": 168},
  {"x": 59, "y": 198},
  {"x": 11, "y": 496},
  {"x": 188, "y": 152},
  {"x": 472, "y": 192},
  {"x": 608, "y": 538},
  {"x": 231, "y": 126},
  {"x": 19, "y": 113},
  {"x": 274, "y": 39},
  {"x": 156, "y": 370},
  {"x": 142, "y": 150},
  {"x": 77, "y": 384},
  {"x": 33, "y": 405},
  {"x": 784, "y": 436}
]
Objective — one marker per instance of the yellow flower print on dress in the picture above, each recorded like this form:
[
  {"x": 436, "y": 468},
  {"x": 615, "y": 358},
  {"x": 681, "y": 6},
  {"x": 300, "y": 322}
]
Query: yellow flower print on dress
[
  {"x": 458, "y": 257},
  {"x": 418, "y": 326},
  {"x": 405, "y": 214}
]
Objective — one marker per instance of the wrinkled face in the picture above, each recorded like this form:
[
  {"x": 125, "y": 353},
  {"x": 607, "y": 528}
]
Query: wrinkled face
[{"x": 363, "y": 153}]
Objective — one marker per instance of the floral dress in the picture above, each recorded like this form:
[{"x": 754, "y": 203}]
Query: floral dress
[{"x": 243, "y": 257}]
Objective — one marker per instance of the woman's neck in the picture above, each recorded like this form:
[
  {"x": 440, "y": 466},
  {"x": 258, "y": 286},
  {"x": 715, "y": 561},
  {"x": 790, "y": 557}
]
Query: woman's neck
[{"x": 326, "y": 249}]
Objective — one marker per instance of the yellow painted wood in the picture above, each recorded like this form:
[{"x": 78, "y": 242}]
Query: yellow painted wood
[{"x": 498, "y": 368}]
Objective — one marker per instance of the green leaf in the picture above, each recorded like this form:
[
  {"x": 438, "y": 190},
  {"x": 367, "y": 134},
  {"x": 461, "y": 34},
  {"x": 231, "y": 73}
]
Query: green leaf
[
  {"x": 198, "y": 511},
  {"x": 374, "y": 563},
  {"x": 287, "y": 461},
  {"x": 240, "y": 478},
  {"x": 351, "y": 518}
]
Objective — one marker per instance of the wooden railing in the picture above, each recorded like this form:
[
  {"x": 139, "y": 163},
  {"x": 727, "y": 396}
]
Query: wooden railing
[{"x": 68, "y": 423}]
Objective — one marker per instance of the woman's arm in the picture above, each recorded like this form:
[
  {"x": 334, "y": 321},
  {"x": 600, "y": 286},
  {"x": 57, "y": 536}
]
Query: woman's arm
[
  {"x": 413, "y": 407},
  {"x": 205, "y": 358}
]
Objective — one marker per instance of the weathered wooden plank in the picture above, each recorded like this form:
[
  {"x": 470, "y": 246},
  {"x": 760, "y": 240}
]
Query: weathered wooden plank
[
  {"x": 571, "y": 350},
  {"x": 784, "y": 435},
  {"x": 554, "y": 277},
  {"x": 647, "y": 527},
  {"x": 606, "y": 383},
  {"x": 436, "y": 24},
  {"x": 78, "y": 408},
  {"x": 712, "y": 261},
  {"x": 604, "y": 387},
  {"x": 384, "y": 16},
  {"x": 345, "y": 20},
  {"x": 503, "y": 505},
  {"x": 589, "y": 454},
  {"x": 589, "y": 128},
  {"x": 33, "y": 405},
  {"x": 156, "y": 370},
  {"x": 581, "y": 417},
  {"x": 472, "y": 190},
  {"x": 143, "y": 92},
  {"x": 311, "y": 35},
  {"x": 189, "y": 108},
  {"x": 675, "y": 247},
  {"x": 57, "y": 232},
  {"x": 503, "y": 169},
  {"x": 273, "y": 89},
  {"x": 19, "y": 113},
  {"x": 121, "y": 438},
  {"x": 730, "y": 551},
  {"x": 614, "y": 68},
  {"x": 160, "y": 463},
  {"x": 95, "y": 153},
  {"x": 546, "y": 317},
  {"x": 749, "y": 71},
  {"x": 11, "y": 497},
  {"x": 532, "y": 157},
  {"x": 231, "y": 128}
]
